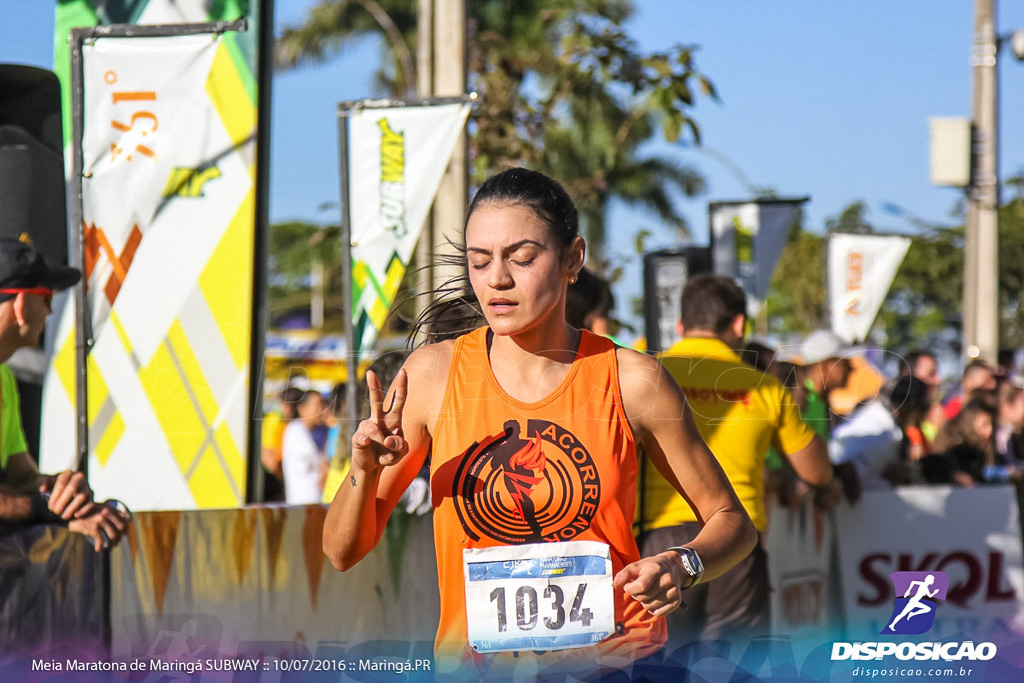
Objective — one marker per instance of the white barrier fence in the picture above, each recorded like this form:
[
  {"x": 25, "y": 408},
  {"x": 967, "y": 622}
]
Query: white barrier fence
[
  {"x": 194, "y": 584},
  {"x": 191, "y": 585},
  {"x": 843, "y": 590}
]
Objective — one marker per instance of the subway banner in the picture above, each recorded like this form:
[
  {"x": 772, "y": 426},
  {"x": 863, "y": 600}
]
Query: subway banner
[
  {"x": 860, "y": 269},
  {"x": 396, "y": 157},
  {"x": 167, "y": 183}
]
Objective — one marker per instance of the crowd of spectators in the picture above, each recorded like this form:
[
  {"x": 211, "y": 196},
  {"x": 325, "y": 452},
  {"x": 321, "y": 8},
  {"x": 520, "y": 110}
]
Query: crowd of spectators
[{"x": 902, "y": 430}]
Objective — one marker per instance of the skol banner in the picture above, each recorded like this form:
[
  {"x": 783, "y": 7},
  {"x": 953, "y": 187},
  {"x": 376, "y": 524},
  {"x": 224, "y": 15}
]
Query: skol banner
[
  {"x": 747, "y": 239},
  {"x": 396, "y": 158},
  {"x": 168, "y": 214},
  {"x": 967, "y": 538},
  {"x": 860, "y": 271}
]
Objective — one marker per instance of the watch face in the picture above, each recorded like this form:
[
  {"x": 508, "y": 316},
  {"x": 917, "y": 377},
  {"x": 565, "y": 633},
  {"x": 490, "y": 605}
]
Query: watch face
[
  {"x": 697, "y": 564},
  {"x": 694, "y": 567}
]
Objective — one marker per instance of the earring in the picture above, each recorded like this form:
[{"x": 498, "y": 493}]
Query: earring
[{"x": 573, "y": 278}]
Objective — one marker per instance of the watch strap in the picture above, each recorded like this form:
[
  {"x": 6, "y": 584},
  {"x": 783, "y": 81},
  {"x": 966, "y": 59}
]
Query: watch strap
[{"x": 41, "y": 512}]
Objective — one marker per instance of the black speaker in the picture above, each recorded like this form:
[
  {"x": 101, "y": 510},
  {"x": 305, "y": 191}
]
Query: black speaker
[
  {"x": 32, "y": 187},
  {"x": 32, "y": 197},
  {"x": 665, "y": 274}
]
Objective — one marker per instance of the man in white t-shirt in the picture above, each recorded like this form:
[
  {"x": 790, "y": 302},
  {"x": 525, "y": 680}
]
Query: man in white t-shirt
[{"x": 303, "y": 462}]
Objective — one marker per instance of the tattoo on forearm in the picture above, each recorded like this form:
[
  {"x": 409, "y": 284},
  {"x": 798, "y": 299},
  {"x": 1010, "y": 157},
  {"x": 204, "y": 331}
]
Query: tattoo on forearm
[{"x": 353, "y": 478}]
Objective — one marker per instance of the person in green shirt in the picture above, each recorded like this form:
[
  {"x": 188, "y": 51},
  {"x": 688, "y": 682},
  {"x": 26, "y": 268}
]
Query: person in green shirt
[{"x": 826, "y": 367}]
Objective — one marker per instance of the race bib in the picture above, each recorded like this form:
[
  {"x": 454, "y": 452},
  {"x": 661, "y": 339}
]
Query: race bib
[{"x": 538, "y": 596}]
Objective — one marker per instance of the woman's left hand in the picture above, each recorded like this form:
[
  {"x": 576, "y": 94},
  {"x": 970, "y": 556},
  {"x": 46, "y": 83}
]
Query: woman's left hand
[{"x": 654, "y": 582}]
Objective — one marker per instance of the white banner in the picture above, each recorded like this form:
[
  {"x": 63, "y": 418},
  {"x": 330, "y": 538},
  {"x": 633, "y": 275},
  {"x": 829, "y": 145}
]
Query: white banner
[
  {"x": 397, "y": 156},
  {"x": 799, "y": 543},
  {"x": 747, "y": 239},
  {"x": 860, "y": 271},
  {"x": 141, "y": 101},
  {"x": 973, "y": 535},
  {"x": 168, "y": 210}
]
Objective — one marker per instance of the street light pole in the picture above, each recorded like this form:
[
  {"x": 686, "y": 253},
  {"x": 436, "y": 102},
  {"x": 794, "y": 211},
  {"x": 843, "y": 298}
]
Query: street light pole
[
  {"x": 981, "y": 259},
  {"x": 441, "y": 55}
]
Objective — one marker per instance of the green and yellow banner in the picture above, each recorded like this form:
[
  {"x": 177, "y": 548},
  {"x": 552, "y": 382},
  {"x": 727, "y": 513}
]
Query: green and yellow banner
[
  {"x": 168, "y": 206},
  {"x": 397, "y": 155}
]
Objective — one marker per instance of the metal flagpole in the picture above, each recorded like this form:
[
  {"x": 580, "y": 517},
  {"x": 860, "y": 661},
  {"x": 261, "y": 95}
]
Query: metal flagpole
[
  {"x": 83, "y": 326},
  {"x": 352, "y": 350}
]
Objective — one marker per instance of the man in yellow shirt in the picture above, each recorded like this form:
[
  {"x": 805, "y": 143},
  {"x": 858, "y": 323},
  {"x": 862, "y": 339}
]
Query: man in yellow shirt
[{"x": 740, "y": 411}]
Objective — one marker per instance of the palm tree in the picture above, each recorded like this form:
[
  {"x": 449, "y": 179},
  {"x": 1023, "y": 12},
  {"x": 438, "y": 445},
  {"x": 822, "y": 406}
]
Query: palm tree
[
  {"x": 332, "y": 24},
  {"x": 563, "y": 89},
  {"x": 598, "y": 160}
]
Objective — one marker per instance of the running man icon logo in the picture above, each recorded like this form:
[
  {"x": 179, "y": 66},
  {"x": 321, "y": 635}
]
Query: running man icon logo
[{"x": 917, "y": 596}]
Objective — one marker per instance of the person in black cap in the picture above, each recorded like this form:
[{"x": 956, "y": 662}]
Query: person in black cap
[{"x": 27, "y": 284}]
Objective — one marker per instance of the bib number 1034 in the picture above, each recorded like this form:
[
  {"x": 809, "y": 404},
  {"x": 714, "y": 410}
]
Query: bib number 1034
[
  {"x": 545, "y": 596},
  {"x": 527, "y": 608}
]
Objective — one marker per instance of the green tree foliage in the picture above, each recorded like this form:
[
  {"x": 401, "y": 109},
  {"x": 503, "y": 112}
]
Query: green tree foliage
[
  {"x": 563, "y": 89},
  {"x": 850, "y": 220},
  {"x": 924, "y": 306},
  {"x": 294, "y": 249},
  {"x": 1011, "y": 266},
  {"x": 796, "y": 297},
  {"x": 332, "y": 26}
]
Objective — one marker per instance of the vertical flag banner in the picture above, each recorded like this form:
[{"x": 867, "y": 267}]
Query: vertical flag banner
[
  {"x": 168, "y": 156},
  {"x": 747, "y": 239},
  {"x": 396, "y": 158},
  {"x": 860, "y": 270}
]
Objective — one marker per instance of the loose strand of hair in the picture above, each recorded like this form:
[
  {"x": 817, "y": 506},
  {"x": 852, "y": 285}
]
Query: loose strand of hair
[{"x": 451, "y": 310}]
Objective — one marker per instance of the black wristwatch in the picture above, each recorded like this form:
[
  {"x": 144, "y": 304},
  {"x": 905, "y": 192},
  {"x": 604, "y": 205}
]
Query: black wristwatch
[{"x": 691, "y": 563}]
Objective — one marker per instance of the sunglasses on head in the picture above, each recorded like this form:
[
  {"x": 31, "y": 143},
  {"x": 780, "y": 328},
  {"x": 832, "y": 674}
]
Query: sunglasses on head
[{"x": 41, "y": 291}]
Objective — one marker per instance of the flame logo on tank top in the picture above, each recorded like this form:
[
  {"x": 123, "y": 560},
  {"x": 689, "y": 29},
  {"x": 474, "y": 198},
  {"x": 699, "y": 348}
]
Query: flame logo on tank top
[{"x": 527, "y": 486}]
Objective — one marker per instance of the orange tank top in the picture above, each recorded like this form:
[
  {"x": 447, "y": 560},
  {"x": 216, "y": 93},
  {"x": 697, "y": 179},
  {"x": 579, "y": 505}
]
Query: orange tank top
[{"x": 504, "y": 473}]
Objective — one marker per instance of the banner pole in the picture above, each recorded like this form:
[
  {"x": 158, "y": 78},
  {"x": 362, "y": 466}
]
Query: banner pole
[
  {"x": 254, "y": 476},
  {"x": 352, "y": 350},
  {"x": 83, "y": 331}
]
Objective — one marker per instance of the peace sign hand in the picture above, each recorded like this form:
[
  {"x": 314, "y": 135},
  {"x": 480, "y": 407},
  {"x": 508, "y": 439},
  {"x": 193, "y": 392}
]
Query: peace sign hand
[{"x": 379, "y": 441}]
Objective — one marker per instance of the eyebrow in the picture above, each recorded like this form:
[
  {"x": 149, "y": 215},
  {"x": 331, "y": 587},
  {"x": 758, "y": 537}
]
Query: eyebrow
[{"x": 509, "y": 249}]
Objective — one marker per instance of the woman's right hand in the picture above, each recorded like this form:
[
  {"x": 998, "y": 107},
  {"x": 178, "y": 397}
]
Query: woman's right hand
[{"x": 379, "y": 442}]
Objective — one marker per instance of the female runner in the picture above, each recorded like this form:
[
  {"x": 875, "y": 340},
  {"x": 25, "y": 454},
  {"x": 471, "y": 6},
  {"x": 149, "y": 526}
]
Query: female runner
[{"x": 532, "y": 427}]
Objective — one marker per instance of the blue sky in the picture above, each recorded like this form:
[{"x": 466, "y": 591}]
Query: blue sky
[{"x": 828, "y": 99}]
